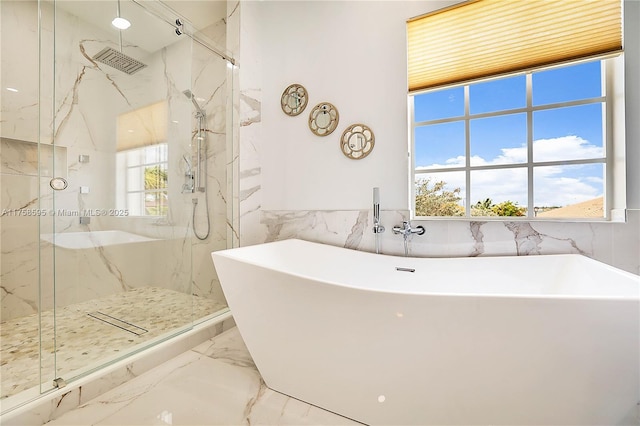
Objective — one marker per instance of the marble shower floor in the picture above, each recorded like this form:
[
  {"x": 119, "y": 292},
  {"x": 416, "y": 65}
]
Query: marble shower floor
[
  {"x": 215, "y": 383},
  {"x": 85, "y": 342}
]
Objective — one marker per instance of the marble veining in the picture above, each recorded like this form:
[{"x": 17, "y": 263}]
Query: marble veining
[
  {"x": 25, "y": 158},
  {"x": 215, "y": 383},
  {"x": 252, "y": 108},
  {"x": 80, "y": 341},
  {"x": 86, "y": 99},
  {"x": 477, "y": 235},
  {"x": 347, "y": 228},
  {"x": 357, "y": 230},
  {"x": 527, "y": 239}
]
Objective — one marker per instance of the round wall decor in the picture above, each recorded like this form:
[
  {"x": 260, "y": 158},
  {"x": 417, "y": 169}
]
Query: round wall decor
[
  {"x": 294, "y": 99},
  {"x": 357, "y": 141},
  {"x": 323, "y": 119}
]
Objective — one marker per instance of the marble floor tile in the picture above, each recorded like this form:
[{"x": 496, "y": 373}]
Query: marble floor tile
[
  {"x": 215, "y": 383},
  {"x": 83, "y": 342}
]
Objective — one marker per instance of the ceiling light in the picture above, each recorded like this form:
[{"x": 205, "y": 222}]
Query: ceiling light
[{"x": 120, "y": 23}]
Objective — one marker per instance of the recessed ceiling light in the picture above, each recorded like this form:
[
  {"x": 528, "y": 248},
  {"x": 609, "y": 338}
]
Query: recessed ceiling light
[
  {"x": 120, "y": 23},
  {"x": 11, "y": 89}
]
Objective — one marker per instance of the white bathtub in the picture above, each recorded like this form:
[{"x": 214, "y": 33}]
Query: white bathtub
[
  {"x": 93, "y": 239},
  {"x": 540, "y": 340}
]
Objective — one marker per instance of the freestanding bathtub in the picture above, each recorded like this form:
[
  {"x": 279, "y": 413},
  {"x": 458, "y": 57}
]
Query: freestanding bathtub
[{"x": 540, "y": 340}]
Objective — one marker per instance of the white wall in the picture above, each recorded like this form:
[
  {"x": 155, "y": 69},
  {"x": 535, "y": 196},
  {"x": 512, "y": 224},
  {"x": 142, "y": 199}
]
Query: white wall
[{"x": 353, "y": 55}]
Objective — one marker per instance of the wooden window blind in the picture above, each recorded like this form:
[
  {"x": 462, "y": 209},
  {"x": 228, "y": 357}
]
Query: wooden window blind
[
  {"x": 142, "y": 127},
  {"x": 483, "y": 38}
]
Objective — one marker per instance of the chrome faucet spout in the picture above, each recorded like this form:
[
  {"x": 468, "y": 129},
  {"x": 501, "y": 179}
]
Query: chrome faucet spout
[{"x": 406, "y": 230}]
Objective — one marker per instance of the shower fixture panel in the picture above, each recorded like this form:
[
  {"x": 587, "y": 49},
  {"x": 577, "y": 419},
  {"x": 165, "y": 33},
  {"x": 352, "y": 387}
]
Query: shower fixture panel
[
  {"x": 119, "y": 61},
  {"x": 199, "y": 182}
]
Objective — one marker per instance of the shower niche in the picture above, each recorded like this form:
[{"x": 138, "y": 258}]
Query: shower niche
[{"x": 109, "y": 264}]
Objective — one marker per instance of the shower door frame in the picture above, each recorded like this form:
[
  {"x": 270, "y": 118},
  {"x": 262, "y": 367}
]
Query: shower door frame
[{"x": 60, "y": 263}]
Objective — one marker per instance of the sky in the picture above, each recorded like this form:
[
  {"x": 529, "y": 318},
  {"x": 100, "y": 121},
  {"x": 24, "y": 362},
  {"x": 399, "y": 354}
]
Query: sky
[{"x": 559, "y": 134}]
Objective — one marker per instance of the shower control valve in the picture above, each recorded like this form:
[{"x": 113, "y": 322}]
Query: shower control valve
[{"x": 189, "y": 185}]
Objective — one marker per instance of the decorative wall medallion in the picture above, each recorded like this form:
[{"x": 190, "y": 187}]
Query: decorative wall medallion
[
  {"x": 357, "y": 141},
  {"x": 323, "y": 119},
  {"x": 294, "y": 99}
]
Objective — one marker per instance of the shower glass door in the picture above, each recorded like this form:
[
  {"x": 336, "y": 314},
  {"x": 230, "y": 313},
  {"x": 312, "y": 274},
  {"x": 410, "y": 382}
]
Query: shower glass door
[{"x": 118, "y": 241}]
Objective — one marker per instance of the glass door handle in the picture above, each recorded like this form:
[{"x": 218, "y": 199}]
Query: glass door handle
[{"x": 58, "y": 183}]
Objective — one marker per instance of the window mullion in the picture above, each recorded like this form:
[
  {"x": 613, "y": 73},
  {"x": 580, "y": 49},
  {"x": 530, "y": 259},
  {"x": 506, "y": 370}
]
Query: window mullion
[
  {"x": 607, "y": 137},
  {"x": 412, "y": 155},
  {"x": 530, "y": 185},
  {"x": 467, "y": 141}
]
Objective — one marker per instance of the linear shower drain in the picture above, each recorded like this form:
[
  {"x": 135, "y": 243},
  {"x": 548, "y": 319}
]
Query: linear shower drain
[{"x": 116, "y": 322}]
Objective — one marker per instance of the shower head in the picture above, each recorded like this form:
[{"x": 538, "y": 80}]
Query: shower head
[
  {"x": 118, "y": 60},
  {"x": 190, "y": 95}
]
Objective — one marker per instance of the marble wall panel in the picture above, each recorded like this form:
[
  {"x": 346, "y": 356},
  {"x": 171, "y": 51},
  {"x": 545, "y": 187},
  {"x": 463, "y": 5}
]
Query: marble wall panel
[
  {"x": 23, "y": 158},
  {"x": 616, "y": 244},
  {"x": 233, "y": 123},
  {"x": 85, "y": 98}
]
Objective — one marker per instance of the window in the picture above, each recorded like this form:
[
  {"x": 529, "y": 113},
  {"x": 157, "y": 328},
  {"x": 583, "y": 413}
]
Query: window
[
  {"x": 529, "y": 145},
  {"x": 517, "y": 109},
  {"x": 142, "y": 180}
]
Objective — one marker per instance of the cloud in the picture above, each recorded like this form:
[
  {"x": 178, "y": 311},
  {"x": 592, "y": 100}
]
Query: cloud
[{"x": 553, "y": 185}]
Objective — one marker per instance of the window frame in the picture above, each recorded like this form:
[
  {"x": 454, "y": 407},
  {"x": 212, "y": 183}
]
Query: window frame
[
  {"x": 612, "y": 99},
  {"x": 122, "y": 186}
]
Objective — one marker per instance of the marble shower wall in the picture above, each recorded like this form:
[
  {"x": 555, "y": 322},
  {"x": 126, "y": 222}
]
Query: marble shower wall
[
  {"x": 617, "y": 244},
  {"x": 85, "y": 97},
  {"x": 210, "y": 82}
]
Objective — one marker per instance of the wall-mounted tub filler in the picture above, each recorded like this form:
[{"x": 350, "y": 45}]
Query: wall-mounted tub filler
[
  {"x": 406, "y": 230},
  {"x": 377, "y": 227}
]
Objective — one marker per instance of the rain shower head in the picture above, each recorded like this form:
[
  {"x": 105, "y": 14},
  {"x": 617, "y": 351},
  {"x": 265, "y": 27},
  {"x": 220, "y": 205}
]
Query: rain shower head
[
  {"x": 190, "y": 95},
  {"x": 118, "y": 60}
]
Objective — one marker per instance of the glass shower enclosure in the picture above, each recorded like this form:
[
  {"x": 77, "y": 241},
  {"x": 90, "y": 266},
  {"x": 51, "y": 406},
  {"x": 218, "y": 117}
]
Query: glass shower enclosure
[{"x": 113, "y": 183}]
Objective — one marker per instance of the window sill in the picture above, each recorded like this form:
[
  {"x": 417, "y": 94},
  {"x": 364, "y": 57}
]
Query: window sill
[{"x": 617, "y": 216}]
